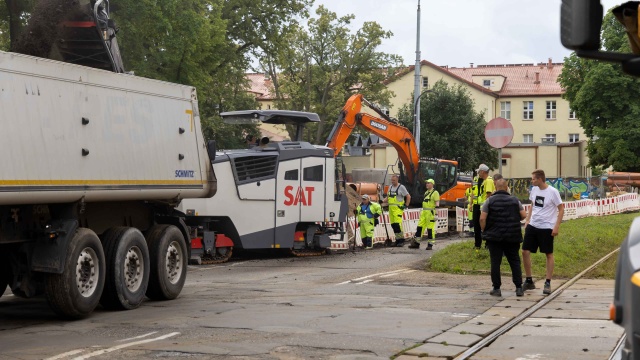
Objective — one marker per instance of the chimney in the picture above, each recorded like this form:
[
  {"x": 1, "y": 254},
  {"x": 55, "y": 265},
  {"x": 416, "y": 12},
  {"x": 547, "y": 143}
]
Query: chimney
[
  {"x": 550, "y": 64},
  {"x": 537, "y": 78},
  {"x": 471, "y": 65}
]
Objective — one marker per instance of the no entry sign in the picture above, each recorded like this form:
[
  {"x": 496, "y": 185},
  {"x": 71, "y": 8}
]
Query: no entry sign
[{"x": 498, "y": 132}]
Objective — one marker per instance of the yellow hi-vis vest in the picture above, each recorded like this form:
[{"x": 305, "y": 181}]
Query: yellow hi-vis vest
[{"x": 480, "y": 192}]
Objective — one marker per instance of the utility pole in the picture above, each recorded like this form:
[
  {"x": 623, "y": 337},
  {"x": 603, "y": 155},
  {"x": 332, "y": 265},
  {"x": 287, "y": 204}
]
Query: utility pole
[{"x": 416, "y": 90}]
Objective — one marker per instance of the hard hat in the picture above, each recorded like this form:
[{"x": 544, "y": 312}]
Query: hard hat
[
  {"x": 430, "y": 181},
  {"x": 482, "y": 167},
  {"x": 365, "y": 196}
]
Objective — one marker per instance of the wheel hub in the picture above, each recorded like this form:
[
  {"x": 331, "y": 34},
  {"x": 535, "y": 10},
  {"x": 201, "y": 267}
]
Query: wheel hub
[
  {"x": 86, "y": 272},
  {"x": 133, "y": 268},
  {"x": 175, "y": 262}
]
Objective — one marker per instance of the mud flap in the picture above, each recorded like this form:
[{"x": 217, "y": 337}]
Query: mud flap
[{"x": 49, "y": 253}]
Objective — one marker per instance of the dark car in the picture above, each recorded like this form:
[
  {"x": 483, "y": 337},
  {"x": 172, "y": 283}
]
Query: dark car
[{"x": 625, "y": 310}]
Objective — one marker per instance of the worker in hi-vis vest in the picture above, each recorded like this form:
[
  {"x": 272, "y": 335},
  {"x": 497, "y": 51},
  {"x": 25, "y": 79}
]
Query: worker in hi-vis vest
[
  {"x": 368, "y": 213},
  {"x": 397, "y": 199},
  {"x": 430, "y": 202},
  {"x": 468, "y": 194},
  {"x": 484, "y": 188}
]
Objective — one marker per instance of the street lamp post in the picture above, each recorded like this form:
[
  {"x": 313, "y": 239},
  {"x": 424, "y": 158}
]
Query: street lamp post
[
  {"x": 416, "y": 89},
  {"x": 416, "y": 119}
]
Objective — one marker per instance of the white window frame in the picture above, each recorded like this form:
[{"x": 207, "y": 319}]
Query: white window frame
[
  {"x": 574, "y": 138},
  {"x": 527, "y": 113},
  {"x": 425, "y": 82},
  {"x": 549, "y": 138},
  {"x": 505, "y": 109},
  {"x": 527, "y": 138},
  {"x": 551, "y": 110},
  {"x": 486, "y": 82},
  {"x": 572, "y": 114}
]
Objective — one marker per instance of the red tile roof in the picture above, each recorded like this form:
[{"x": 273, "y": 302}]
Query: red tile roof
[
  {"x": 520, "y": 79},
  {"x": 261, "y": 86}
]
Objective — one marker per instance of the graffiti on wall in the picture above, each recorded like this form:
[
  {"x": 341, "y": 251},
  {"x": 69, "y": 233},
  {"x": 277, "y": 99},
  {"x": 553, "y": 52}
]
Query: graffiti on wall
[{"x": 577, "y": 188}]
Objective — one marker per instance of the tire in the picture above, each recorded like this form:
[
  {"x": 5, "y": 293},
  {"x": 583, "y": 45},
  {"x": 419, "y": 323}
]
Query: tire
[
  {"x": 76, "y": 292},
  {"x": 169, "y": 259},
  {"x": 5, "y": 275},
  {"x": 127, "y": 268}
]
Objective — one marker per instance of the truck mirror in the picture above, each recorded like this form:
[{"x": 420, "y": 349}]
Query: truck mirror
[
  {"x": 211, "y": 149},
  {"x": 580, "y": 23}
]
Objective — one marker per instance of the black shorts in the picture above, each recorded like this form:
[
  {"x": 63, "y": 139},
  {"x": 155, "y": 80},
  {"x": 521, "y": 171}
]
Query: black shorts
[{"x": 535, "y": 238}]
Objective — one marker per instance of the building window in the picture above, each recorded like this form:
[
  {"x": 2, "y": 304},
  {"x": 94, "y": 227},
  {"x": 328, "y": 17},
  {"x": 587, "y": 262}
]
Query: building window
[
  {"x": 486, "y": 83},
  {"x": 528, "y": 110},
  {"x": 574, "y": 138},
  {"x": 551, "y": 110},
  {"x": 572, "y": 114},
  {"x": 425, "y": 82},
  {"x": 527, "y": 138},
  {"x": 505, "y": 109},
  {"x": 504, "y": 162},
  {"x": 549, "y": 138}
]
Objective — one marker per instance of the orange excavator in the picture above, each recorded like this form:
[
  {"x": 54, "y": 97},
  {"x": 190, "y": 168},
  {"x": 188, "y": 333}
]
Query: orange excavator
[{"x": 413, "y": 170}]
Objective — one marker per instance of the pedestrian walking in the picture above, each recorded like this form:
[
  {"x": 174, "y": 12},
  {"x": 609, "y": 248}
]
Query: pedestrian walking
[
  {"x": 542, "y": 225},
  {"x": 397, "y": 198},
  {"x": 368, "y": 213},
  {"x": 501, "y": 229},
  {"x": 430, "y": 202},
  {"x": 484, "y": 187}
]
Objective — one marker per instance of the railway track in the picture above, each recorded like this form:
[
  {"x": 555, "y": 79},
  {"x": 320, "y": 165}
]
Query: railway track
[{"x": 489, "y": 339}]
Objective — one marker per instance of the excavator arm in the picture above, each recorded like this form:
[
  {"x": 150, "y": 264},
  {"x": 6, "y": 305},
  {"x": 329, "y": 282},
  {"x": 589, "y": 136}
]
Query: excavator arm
[{"x": 397, "y": 135}]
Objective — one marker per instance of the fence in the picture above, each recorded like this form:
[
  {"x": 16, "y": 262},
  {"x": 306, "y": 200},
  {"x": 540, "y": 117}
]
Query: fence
[{"x": 572, "y": 210}]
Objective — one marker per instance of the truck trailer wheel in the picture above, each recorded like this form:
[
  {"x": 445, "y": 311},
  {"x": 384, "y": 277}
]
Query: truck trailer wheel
[
  {"x": 127, "y": 268},
  {"x": 168, "y": 254},
  {"x": 76, "y": 292},
  {"x": 5, "y": 275}
]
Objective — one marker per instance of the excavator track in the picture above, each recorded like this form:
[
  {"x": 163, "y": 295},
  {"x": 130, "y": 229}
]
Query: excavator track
[
  {"x": 308, "y": 252},
  {"x": 218, "y": 258}
]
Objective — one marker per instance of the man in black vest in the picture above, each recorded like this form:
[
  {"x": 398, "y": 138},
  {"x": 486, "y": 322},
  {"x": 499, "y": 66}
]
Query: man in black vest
[{"x": 500, "y": 224}]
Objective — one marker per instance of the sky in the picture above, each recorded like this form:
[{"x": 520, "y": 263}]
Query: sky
[{"x": 460, "y": 32}]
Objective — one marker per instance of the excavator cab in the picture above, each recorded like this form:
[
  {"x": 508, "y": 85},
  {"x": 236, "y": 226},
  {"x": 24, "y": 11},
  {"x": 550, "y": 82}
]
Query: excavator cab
[{"x": 443, "y": 172}]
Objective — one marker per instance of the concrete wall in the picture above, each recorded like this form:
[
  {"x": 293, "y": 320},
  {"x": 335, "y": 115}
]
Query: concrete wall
[{"x": 357, "y": 162}]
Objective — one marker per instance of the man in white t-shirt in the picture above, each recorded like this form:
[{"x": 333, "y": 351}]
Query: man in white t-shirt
[{"x": 542, "y": 224}]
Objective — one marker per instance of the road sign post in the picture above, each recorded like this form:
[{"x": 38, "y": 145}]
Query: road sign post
[{"x": 499, "y": 133}]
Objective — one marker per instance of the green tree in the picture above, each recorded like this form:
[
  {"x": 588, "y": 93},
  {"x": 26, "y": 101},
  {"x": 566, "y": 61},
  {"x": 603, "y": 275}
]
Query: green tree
[
  {"x": 450, "y": 128},
  {"x": 607, "y": 102},
  {"x": 318, "y": 67}
]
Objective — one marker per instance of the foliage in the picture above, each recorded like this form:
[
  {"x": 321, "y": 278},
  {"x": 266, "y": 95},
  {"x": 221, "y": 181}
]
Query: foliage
[
  {"x": 318, "y": 67},
  {"x": 4, "y": 27},
  {"x": 607, "y": 102},
  {"x": 203, "y": 43},
  {"x": 450, "y": 128},
  {"x": 580, "y": 243}
]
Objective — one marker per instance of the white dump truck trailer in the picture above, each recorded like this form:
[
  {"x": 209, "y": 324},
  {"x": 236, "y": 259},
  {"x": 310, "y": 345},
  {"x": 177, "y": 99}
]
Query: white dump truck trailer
[{"x": 92, "y": 166}]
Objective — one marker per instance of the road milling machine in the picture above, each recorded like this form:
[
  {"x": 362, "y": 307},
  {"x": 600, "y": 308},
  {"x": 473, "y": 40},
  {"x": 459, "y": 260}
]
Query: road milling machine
[{"x": 277, "y": 195}]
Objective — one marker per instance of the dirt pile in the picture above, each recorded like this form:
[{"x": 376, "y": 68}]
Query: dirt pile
[{"x": 43, "y": 29}]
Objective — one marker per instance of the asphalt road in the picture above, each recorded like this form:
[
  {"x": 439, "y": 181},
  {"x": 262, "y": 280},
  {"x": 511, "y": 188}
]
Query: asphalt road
[{"x": 354, "y": 305}]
